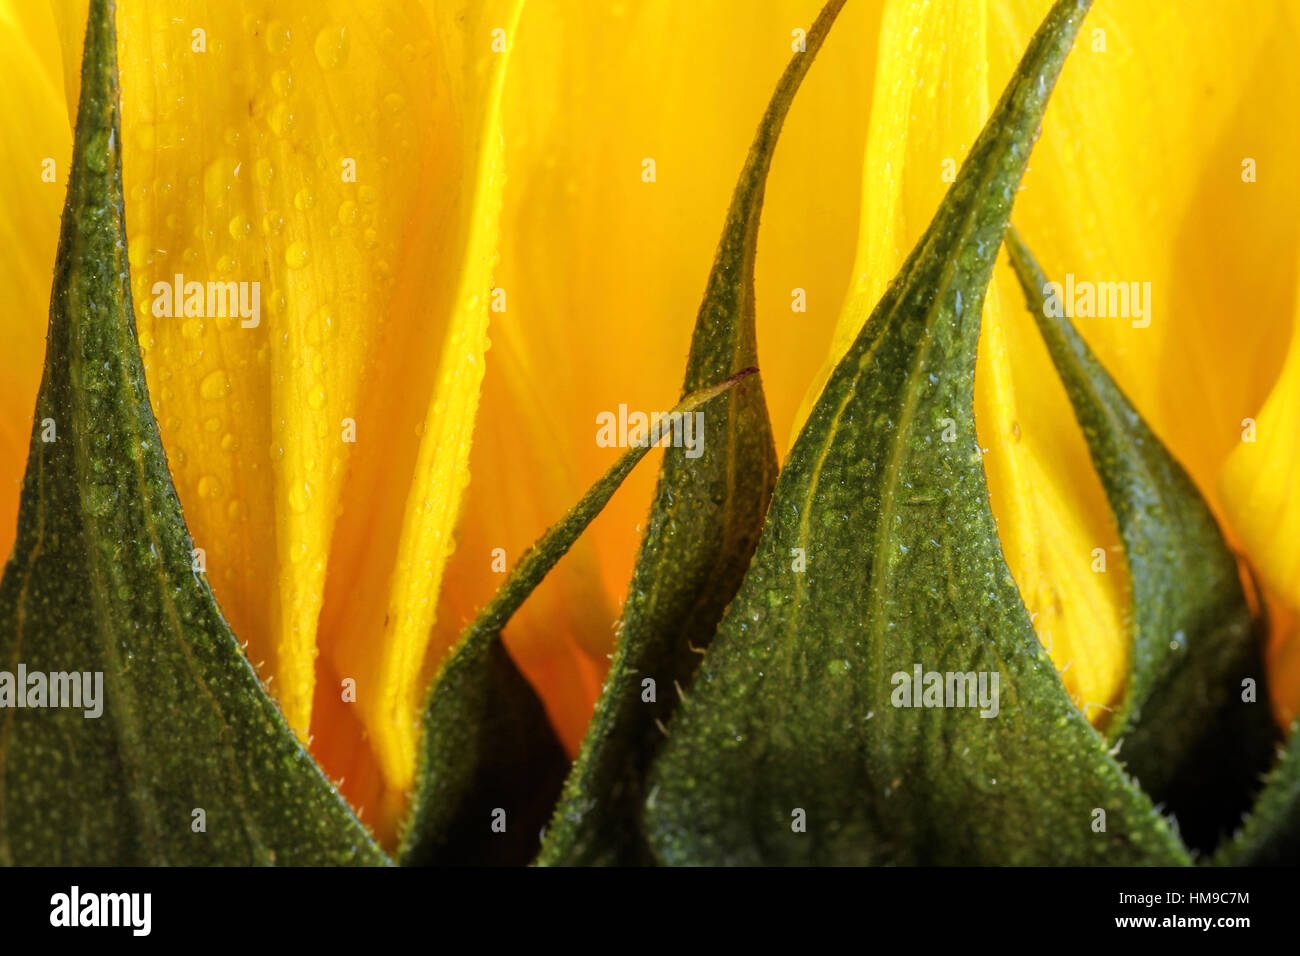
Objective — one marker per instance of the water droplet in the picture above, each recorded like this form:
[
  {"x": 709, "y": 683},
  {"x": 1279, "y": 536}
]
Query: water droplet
[
  {"x": 281, "y": 119},
  {"x": 282, "y": 82},
  {"x": 264, "y": 171},
  {"x": 295, "y": 257},
  {"x": 347, "y": 212},
  {"x": 240, "y": 227},
  {"x": 299, "y": 496},
  {"x": 97, "y": 500},
  {"x": 331, "y": 47},
  {"x": 277, "y": 37},
  {"x": 320, "y": 325},
  {"x": 216, "y": 181},
  {"x": 98, "y": 150},
  {"x": 209, "y": 487},
  {"x": 214, "y": 386},
  {"x": 304, "y": 199}
]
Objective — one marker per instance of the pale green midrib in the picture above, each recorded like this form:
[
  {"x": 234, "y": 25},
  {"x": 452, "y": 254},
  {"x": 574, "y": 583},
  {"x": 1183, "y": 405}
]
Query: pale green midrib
[
  {"x": 74, "y": 304},
  {"x": 922, "y": 349},
  {"x": 1013, "y": 113},
  {"x": 124, "y": 713}
]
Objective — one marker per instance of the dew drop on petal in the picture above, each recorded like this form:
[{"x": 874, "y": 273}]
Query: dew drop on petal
[
  {"x": 209, "y": 487},
  {"x": 295, "y": 257},
  {"x": 214, "y": 386},
  {"x": 331, "y": 47},
  {"x": 277, "y": 37}
]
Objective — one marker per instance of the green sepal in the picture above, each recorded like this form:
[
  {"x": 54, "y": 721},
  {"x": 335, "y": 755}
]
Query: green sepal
[
  {"x": 190, "y": 762},
  {"x": 1270, "y": 833},
  {"x": 704, "y": 524},
  {"x": 788, "y": 748},
  {"x": 491, "y": 767},
  {"x": 1194, "y": 645}
]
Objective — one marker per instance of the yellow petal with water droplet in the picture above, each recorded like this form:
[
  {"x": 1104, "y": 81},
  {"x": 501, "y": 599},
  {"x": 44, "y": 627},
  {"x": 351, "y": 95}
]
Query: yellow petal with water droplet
[
  {"x": 1258, "y": 486},
  {"x": 415, "y": 423}
]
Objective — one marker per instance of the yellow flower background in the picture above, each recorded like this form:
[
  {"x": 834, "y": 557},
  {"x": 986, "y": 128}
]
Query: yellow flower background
[{"x": 501, "y": 145}]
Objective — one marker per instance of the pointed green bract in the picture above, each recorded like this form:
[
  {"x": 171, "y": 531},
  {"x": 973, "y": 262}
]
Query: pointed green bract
[
  {"x": 190, "y": 762},
  {"x": 1194, "y": 642},
  {"x": 491, "y": 766},
  {"x": 704, "y": 525},
  {"x": 795, "y": 743},
  {"x": 1270, "y": 834}
]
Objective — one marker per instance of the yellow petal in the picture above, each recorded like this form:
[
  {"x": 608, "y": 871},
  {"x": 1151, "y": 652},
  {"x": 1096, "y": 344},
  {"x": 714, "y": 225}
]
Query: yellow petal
[
  {"x": 1258, "y": 485},
  {"x": 1138, "y": 177},
  {"x": 390, "y": 548},
  {"x": 603, "y": 274},
  {"x": 70, "y": 18},
  {"x": 33, "y": 175}
]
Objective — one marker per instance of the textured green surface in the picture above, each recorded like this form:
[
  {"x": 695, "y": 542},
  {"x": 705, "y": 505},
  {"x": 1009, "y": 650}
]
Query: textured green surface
[
  {"x": 703, "y": 527},
  {"x": 791, "y": 710},
  {"x": 101, "y": 580},
  {"x": 487, "y": 744},
  {"x": 1270, "y": 835},
  {"x": 1193, "y": 639}
]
